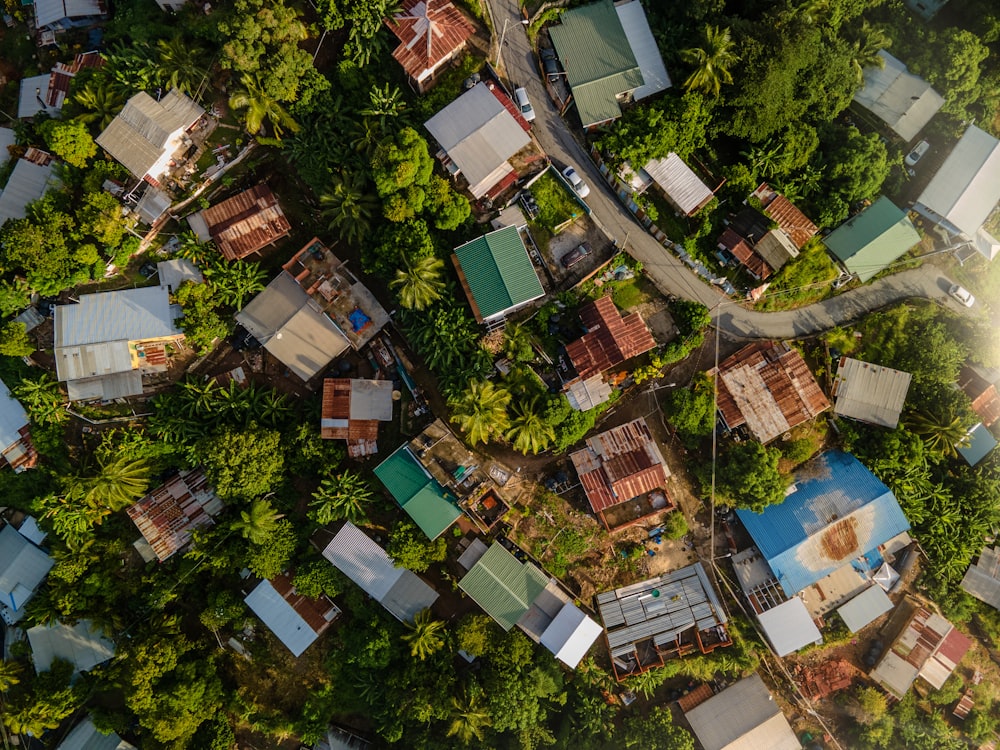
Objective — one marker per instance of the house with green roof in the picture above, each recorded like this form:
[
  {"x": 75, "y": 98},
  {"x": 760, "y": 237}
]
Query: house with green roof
[
  {"x": 497, "y": 274},
  {"x": 871, "y": 240},
  {"x": 430, "y": 505},
  {"x": 503, "y": 586},
  {"x": 609, "y": 56}
]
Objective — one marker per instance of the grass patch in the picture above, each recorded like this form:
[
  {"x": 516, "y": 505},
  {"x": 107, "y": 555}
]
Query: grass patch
[
  {"x": 555, "y": 204},
  {"x": 667, "y": 219},
  {"x": 801, "y": 281}
]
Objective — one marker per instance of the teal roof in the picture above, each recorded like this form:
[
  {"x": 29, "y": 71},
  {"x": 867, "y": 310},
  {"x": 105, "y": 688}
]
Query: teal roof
[
  {"x": 598, "y": 59},
  {"x": 498, "y": 274},
  {"x": 502, "y": 586},
  {"x": 430, "y": 506},
  {"x": 873, "y": 239},
  {"x": 981, "y": 444}
]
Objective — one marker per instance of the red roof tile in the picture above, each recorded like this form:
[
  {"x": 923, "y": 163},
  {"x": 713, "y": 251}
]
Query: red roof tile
[
  {"x": 610, "y": 339},
  {"x": 741, "y": 250},
  {"x": 245, "y": 223},
  {"x": 429, "y": 33},
  {"x": 982, "y": 393}
]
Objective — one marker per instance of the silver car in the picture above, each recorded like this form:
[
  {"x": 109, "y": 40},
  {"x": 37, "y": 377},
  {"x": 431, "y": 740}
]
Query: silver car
[{"x": 579, "y": 186}]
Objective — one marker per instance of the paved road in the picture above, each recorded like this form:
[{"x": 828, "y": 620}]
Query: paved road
[{"x": 666, "y": 271}]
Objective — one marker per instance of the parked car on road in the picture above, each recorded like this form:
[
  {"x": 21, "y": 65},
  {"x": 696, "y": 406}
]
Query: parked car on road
[
  {"x": 521, "y": 97},
  {"x": 917, "y": 153},
  {"x": 579, "y": 186},
  {"x": 575, "y": 255},
  {"x": 550, "y": 65},
  {"x": 962, "y": 294}
]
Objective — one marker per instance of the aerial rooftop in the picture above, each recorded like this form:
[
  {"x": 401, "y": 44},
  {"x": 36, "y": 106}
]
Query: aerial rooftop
[
  {"x": 243, "y": 224},
  {"x": 167, "y": 515},
  {"x": 610, "y": 339},
  {"x": 870, "y": 393}
]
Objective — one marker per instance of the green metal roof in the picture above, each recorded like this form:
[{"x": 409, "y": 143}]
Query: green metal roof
[
  {"x": 873, "y": 239},
  {"x": 498, "y": 272},
  {"x": 502, "y": 586},
  {"x": 598, "y": 60},
  {"x": 425, "y": 501}
]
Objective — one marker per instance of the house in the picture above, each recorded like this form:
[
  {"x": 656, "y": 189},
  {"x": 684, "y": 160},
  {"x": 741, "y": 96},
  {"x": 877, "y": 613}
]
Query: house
[
  {"x": 609, "y": 56},
  {"x": 734, "y": 247},
  {"x": 982, "y": 579},
  {"x": 167, "y": 515},
  {"x": 61, "y": 15},
  {"x": 418, "y": 493},
  {"x": 173, "y": 273},
  {"x": 243, "y": 224},
  {"x": 962, "y": 195},
  {"x": 86, "y": 737},
  {"x": 744, "y": 716},
  {"x": 497, "y": 274},
  {"x": 903, "y": 101},
  {"x": 16, "y": 448},
  {"x": 171, "y": 6},
  {"x": 33, "y": 176},
  {"x": 105, "y": 344},
  {"x": 980, "y": 444},
  {"x": 768, "y": 387},
  {"x": 397, "y": 589},
  {"x": 297, "y": 621},
  {"x": 781, "y": 211},
  {"x": 584, "y": 394},
  {"x": 622, "y": 466},
  {"x": 513, "y": 591},
  {"x": 926, "y": 9},
  {"x": 23, "y": 566},
  {"x": 351, "y": 411},
  {"x": 147, "y": 135},
  {"x": 927, "y": 647},
  {"x": 152, "y": 204},
  {"x": 678, "y": 183},
  {"x": 982, "y": 393},
  {"x": 834, "y": 528},
  {"x": 869, "y": 393},
  {"x": 671, "y": 615},
  {"x": 789, "y": 627},
  {"x": 869, "y": 241},
  {"x": 338, "y": 738},
  {"x": 478, "y": 135},
  {"x": 47, "y": 92},
  {"x": 84, "y": 645},
  {"x": 610, "y": 339},
  {"x": 431, "y": 34},
  {"x": 762, "y": 241}
]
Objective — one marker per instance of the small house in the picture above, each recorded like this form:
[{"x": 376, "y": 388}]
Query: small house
[
  {"x": 982, "y": 579},
  {"x": 86, "y": 737},
  {"x": 47, "y": 92},
  {"x": 33, "y": 176},
  {"x": 351, "y": 411},
  {"x": 166, "y": 516},
  {"x": 678, "y": 183},
  {"x": 431, "y": 34},
  {"x": 610, "y": 339},
  {"x": 296, "y": 620},
  {"x": 244, "y": 224},
  {"x": 871, "y": 240},
  {"x": 744, "y": 716},
  {"x": 431, "y": 507},
  {"x": 62, "y": 15},
  {"x": 903, "y": 101},
  {"x": 23, "y": 567},
  {"x": 783, "y": 212},
  {"x": 982, "y": 393},
  {"x": 83, "y": 645},
  {"x": 870, "y": 393},
  {"x": 16, "y": 448}
]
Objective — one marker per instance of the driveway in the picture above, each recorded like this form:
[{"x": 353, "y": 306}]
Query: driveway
[{"x": 666, "y": 271}]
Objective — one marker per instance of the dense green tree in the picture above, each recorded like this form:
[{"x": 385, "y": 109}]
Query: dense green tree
[
  {"x": 258, "y": 522},
  {"x": 691, "y": 410},
  {"x": 10, "y": 674},
  {"x": 943, "y": 431},
  {"x": 118, "y": 483},
  {"x": 402, "y": 168},
  {"x": 426, "y": 635},
  {"x": 14, "y": 340},
  {"x": 395, "y": 245},
  {"x": 241, "y": 464},
  {"x": 410, "y": 548},
  {"x": 419, "y": 282},
  {"x": 99, "y": 104},
  {"x": 272, "y": 555},
  {"x": 476, "y": 634},
  {"x": 712, "y": 61},
  {"x": 43, "y": 399},
  {"x": 670, "y": 125},
  {"x": 854, "y": 166},
  {"x": 344, "y": 496},
  {"x": 15, "y": 295},
  {"x": 318, "y": 577},
  {"x": 261, "y": 108},
  {"x": 69, "y": 140},
  {"x": 480, "y": 411},
  {"x": 181, "y": 65},
  {"x": 447, "y": 208},
  {"x": 747, "y": 475},
  {"x": 100, "y": 216},
  {"x": 202, "y": 324},
  {"x": 656, "y": 731}
]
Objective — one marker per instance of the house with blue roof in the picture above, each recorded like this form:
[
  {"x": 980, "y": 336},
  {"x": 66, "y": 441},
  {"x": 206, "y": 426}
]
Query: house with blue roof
[{"x": 831, "y": 531}]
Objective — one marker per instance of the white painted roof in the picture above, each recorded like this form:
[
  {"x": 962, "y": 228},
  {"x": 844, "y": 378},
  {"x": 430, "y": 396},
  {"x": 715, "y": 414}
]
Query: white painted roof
[
  {"x": 647, "y": 54},
  {"x": 12, "y": 418},
  {"x": 52, "y": 11},
  {"x": 903, "y": 101},
  {"x": 28, "y": 182},
  {"x": 789, "y": 627},
  {"x": 83, "y": 645},
  {"x": 865, "y": 608},
  {"x": 282, "y": 619},
  {"x": 679, "y": 182},
  {"x": 570, "y": 635},
  {"x": 742, "y": 717}
]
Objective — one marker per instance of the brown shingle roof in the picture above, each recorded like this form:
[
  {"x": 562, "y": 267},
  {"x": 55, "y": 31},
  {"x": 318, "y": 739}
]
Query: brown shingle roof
[
  {"x": 245, "y": 223},
  {"x": 610, "y": 339},
  {"x": 982, "y": 393},
  {"x": 768, "y": 387},
  {"x": 741, "y": 250},
  {"x": 429, "y": 32}
]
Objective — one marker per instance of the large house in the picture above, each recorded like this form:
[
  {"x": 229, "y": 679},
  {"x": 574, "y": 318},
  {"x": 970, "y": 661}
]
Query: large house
[
  {"x": 351, "y": 411},
  {"x": 962, "y": 195},
  {"x": 33, "y": 176},
  {"x": 61, "y": 15},
  {"x": 166, "y": 516},
  {"x": 903, "y": 101},
  {"x": 431, "y": 33},
  {"x": 23, "y": 567},
  {"x": 105, "y": 344},
  {"x": 871, "y": 240},
  {"x": 297, "y": 621},
  {"x": 243, "y": 224},
  {"x": 147, "y": 135}
]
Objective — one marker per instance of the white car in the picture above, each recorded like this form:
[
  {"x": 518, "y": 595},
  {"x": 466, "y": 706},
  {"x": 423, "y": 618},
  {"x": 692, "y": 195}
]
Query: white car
[
  {"x": 962, "y": 294},
  {"x": 582, "y": 188},
  {"x": 527, "y": 111},
  {"x": 917, "y": 153}
]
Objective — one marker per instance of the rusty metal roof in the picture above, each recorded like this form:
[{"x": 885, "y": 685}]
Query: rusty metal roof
[
  {"x": 352, "y": 410},
  {"x": 167, "y": 515},
  {"x": 611, "y": 338},
  {"x": 316, "y": 612},
  {"x": 744, "y": 253},
  {"x": 429, "y": 33},
  {"x": 792, "y": 221},
  {"x": 982, "y": 393},
  {"x": 245, "y": 223},
  {"x": 768, "y": 387}
]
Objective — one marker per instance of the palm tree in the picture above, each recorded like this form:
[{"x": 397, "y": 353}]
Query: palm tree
[
  {"x": 118, "y": 484},
  {"x": 101, "y": 103},
  {"x": 481, "y": 411},
  {"x": 180, "y": 64},
  {"x": 235, "y": 282},
  {"x": 10, "y": 675},
  {"x": 43, "y": 399},
  {"x": 419, "y": 283},
  {"x": 341, "y": 497},
  {"x": 261, "y": 108},
  {"x": 426, "y": 636},
  {"x": 941, "y": 429},
  {"x": 711, "y": 62},
  {"x": 528, "y": 431},
  {"x": 273, "y": 409},
  {"x": 348, "y": 206},
  {"x": 865, "y": 45},
  {"x": 259, "y": 522},
  {"x": 517, "y": 343},
  {"x": 765, "y": 159},
  {"x": 468, "y": 717}
]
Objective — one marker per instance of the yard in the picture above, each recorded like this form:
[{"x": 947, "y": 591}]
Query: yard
[{"x": 556, "y": 205}]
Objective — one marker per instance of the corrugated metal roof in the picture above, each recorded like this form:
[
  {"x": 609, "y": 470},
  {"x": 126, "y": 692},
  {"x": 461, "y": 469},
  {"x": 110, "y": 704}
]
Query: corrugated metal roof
[
  {"x": 645, "y": 49},
  {"x": 871, "y": 240},
  {"x": 7, "y": 139},
  {"x": 838, "y": 511},
  {"x": 166, "y": 516},
  {"x": 789, "y": 627},
  {"x": 929, "y": 647},
  {"x": 870, "y": 393},
  {"x": 34, "y": 97},
  {"x": 678, "y": 181},
  {"x": 981, "y": 444},
  {"x": 982, "y": 393},
  {"x": 83, "y": 645},
  {"x": 49, "y": 12},
  {"x": 598, "y": 59},
  {"x": 864, "y": 608},
  {"x": 744, "y": 716},
  {"x": 153, "y": 204},
  {"x": 498, "y": 272},
  {"x": 86, "y": 737},
  {"x": 982, "y": 579},
  {"x": 586, "y": 393},
  {"x": 903, "y": 101},
  {"x": 124, "y": 315},
  {"x": 101, "y": 387},
  {"x": 776, "y": 249},
  {"x": 351, "y": 411},
  {"x": 787, "y": 216},
  {"x": 478, "y": 134},
  {"x": 429, "y": 33},
  {"x": 967, "y": 186},
  {"x": 22, "y": 568},
  {"x": 281, "y": 618},
  {"x": 570, "y": 635},
  {"x": 502, "y": 586},
  {"x": 430, "y": 506},
  {"x": 173, "y": 273},
  {"x": 246, "y": 222},
  {"x": 13, "y": 418},
  {"x": 741, "y": 249},
  {"x": 610, "y": 340},
  {"x": 26, "y": 184}
]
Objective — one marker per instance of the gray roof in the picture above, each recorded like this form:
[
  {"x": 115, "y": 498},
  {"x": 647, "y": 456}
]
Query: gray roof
[
  {"x": 789, "y": 627},
  {"x": 12, "y": 418},
  {"x": 681, "y": 185},
  {"x": 870, "y": 393},
  {"x": 86, "y": 737},
  {"x": 288, "y": 323},
  {"x": 280, "y": 616},
  {"x": 83, "y": 645},
  {"x": 153, "y": 204},
  {"x": 358, "y": 557},
  {"x": 982, "y": 580},
  {"x": 7, "y": 138},
  {"x": 865, "y": 607},
  {"x": 371, "y": 399},
  {"x": 31, "y": 100},
  {"x": 173, "y": 273},
  {"x": 48, "y": 12},
  {"x": 478, "y": 133},
  {"x": 103, "y": 387},
  {"x": 27, "y": 183},
  {"x": 903, "y": 101},
  {"x": 22, "y": 567},
  {"x": 144, "y": 128},
  {"x": 647, "y": 53},
  {"x": 742, "y": 717}
]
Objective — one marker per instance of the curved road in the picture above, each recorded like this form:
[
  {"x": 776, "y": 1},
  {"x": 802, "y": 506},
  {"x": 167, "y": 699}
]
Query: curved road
[{"x": 666, "y": 271}]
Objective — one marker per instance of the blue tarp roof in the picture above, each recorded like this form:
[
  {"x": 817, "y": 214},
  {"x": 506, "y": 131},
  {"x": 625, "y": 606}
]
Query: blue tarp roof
[
  {"x": 980, "y": 444},
  {"x": 839, "y": 511}
]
